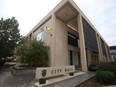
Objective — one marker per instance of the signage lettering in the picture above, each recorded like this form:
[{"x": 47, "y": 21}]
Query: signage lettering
[
  {"x": 56, "y": 71},
  {"x": 53, "y": 71}
]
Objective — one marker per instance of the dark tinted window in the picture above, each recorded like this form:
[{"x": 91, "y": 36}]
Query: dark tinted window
[
  {"x": 72, "y": 39},
  {"x": 90, "y": 36}
]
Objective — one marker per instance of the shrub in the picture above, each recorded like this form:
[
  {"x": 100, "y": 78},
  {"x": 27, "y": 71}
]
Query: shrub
[
  {"x": 2, "y": 62},
  {"x": 105, "y": 77},
  {"x": 111, "y": 66},
  {"x": 32, "y": 53}
]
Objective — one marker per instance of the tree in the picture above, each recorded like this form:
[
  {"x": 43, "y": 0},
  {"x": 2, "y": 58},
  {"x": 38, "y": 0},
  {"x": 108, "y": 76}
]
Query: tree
[
  {"x": 33, "y": 53},
  {"x": 9, "y": 36}
]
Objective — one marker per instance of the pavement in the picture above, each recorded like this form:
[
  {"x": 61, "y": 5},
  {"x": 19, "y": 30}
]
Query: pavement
[
  {"x": 110, "y": 86},
  {"x": 68, "y": 81},
  {"x": 9, "y": 80}
]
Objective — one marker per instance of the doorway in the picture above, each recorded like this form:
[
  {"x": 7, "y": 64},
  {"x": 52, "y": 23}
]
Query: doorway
[{"x": 74, "y": 59}]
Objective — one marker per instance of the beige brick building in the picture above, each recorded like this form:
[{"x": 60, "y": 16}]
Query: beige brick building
[{"x": 72, "y": 38}]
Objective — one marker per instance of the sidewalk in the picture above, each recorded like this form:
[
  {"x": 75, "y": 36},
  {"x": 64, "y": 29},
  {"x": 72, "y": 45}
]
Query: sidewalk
[
  {"x": 8, "y": 80},
  {"x": 69, "y": 81},
  {"x": 110, "y": 86}
]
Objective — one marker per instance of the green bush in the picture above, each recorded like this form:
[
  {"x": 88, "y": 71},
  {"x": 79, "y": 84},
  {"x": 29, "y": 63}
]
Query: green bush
[
  {"x": 32, "y": 53},
  {"x": 105, "y": 77},
  {"x": 108, "y": 66}
]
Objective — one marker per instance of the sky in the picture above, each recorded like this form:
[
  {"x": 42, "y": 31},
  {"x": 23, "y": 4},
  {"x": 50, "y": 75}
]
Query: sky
[{"x": 101, "y": 13}]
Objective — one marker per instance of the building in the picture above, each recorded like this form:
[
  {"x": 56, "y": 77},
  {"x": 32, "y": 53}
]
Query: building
[
  {"x": 113, "y": 52},
  {"x": 72, "y": 38}
]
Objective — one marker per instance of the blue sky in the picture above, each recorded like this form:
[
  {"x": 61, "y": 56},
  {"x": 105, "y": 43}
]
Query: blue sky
[{"x": 102, "y": 14}]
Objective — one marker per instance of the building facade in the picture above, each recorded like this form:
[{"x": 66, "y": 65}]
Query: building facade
[
  {"x": 72, "y": 38},
  {"x": 113, "y": 52}
]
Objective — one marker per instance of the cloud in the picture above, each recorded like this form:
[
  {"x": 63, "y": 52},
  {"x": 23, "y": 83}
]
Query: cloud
[
  {"x": 101, "y": 13},
  {"x": 113, "y": 21},
  {"x": 112, "y": 41},
  {"x": 27, "y": 12}
]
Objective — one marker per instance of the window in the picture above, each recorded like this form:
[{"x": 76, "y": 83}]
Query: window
[
  {"x": 72, "y": 40},
  {"x": 90, "y": 36},
  {"x": 94, "y": 59},
  {"x": 40, "y": 36}
]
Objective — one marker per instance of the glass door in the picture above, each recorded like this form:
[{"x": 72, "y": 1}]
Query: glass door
[{"x": 74, "y": 58}]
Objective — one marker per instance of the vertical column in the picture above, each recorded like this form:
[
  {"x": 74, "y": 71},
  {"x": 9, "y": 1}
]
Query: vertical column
[
  {"x": 53, "y": 41},
  {"x": 30, "y": 36},
  {"x": 101, "y": 51},
  {"x": 99, "y": 48},
  {"x": 82, "y": 44},
  {"x": 107, "y": 53}
]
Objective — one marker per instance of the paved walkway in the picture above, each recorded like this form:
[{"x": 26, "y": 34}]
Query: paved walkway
[
  {"x": 73, "y": 81},
  {"x": 8, "y": 80},
  {"x": 110, "y": 86}
]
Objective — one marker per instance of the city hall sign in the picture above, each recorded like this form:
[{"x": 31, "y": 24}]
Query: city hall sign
[{"x": 53, "y": 71}]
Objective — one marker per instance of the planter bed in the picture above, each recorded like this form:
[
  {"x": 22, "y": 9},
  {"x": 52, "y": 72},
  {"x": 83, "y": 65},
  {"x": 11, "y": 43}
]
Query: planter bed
[
  {"x": 92, "y": 83},
  {"x": 18, "y": 70}
]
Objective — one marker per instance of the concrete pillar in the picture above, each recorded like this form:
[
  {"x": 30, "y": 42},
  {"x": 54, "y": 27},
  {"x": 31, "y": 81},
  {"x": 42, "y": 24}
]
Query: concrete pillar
[
  {"x": 99, "y": 48},
  {"x": 53, "y": 41},
  {"x": 82, "y": 44},
  {"x": 107, "y": 53}
]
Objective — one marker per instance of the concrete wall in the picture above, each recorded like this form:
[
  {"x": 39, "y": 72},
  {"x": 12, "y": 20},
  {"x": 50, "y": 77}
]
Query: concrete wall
[
  {"x": 61, "y": 44},
  {"x": 47, "y": 36}
]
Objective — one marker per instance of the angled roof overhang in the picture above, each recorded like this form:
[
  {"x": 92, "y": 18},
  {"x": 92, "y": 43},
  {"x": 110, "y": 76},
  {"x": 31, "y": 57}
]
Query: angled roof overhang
[{"x": 66, "y": 13}]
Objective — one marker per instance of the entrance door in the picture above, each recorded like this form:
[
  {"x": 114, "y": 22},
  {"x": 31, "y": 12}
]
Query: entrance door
[{"x": 74, "y": 58}]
